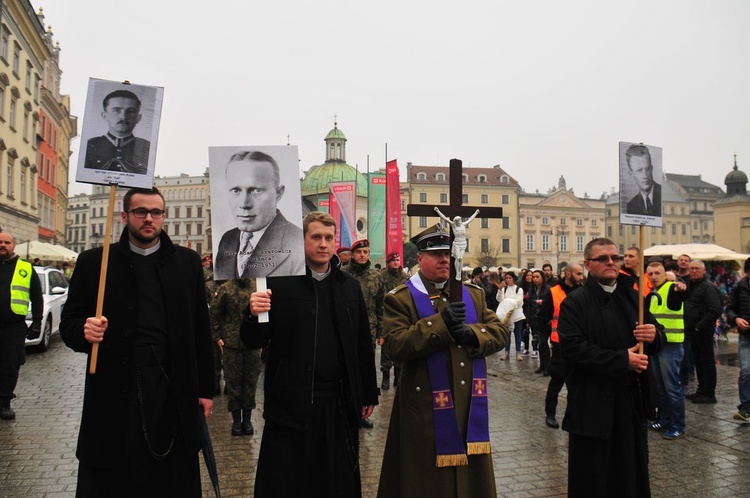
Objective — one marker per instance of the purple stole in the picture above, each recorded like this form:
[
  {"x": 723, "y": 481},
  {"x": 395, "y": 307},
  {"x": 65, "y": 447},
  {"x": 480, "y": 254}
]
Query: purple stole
[{"x": 450, "y": 448}]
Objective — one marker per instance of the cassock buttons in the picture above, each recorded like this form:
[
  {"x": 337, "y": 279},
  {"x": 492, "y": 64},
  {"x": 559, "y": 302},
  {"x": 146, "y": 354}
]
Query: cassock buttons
[
  {"x": 459, "y": 346},
  {"x": 462, "y": 364},
  {"x": 463, "y": 382},
  {"x": 429, "y": 324},
  {"x": 418, "y": 389}
]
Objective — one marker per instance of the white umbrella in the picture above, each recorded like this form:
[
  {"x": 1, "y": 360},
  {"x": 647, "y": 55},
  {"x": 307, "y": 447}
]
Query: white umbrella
[
  {"x": 704, "y": 252},
  {"x": 36, "y": 249},
  {"x": 66, "y": 253}
]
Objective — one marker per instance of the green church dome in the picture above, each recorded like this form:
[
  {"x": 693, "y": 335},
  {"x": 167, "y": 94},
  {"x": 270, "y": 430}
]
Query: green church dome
[
  {"x": 317, "y": 178},
  {"x": 335, "y": 133}
]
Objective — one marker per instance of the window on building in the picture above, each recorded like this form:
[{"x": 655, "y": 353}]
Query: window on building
[
  {"x": 684, "y": 229},
  {"x": 443, "y": 198},
  {"x": 482, "y": 178},
  {"x": 620, "y": 230},
  {"x": 695, "y": 224},
  {"x": 705, "y": 225},
  {"x": 485, "y": 222},
  {"x": 9, "y": 177},
  {"x": 25, "y": 125},
  {"x": 545, "y": 220},
  {"x": 579, "y": 222},
  {"x": 529, "y": 242},
  {"x": 421, "y": 177},
  {"x": 563, "y": 243},
  {"x": 176, "y": 229},
  {"x": 440, "y": 177},
  {"x": 37, "y": 83},
  {"x": 465, "y": 198},
  {"x": 682, "y": 210},
  {"x": 2, "y": 101},
  {"x": 609, "y": 231},
  {"x": 529, "y": 220},
  {"x": 16, "y": 59},
  {"x": 545, "y": 242},
  {"x": 4, "y": 42},
  {"x": 485, "y": 245},
  {"x": 189, "y": 213},
  {"x": 12, "y": 115},
  {"x": 423, "y": 197},
  {"x": 28, "y": 77},
  {"x": 465, "y": 178},
  {"x": 563, "y": 221},
  {"x": 199, "y": 229},
  {"x": 505, "y": 199},
  {"x": 579, "y": 243},
  {"x": 423, "y": 222},
  {"x": 403, "y": 223},
  {"x": 188, "y": 228},
  {"x": 506, "y": 222},
  {"x": 633, "y": 229},
  {"x": 177, "y": 211},
  {"x": 653, "y": 230},
  {"x": 403, "y": 205},
  {"x": 594, "y": 223},
  {"x": 77, "y": 218},
  {"x": 504, "y": 180},
  {"x": 671, "y": 209},
  {"x": 22, "y": 178},
  {"x": 505, "y": 245},
  {"x": 622, "y": 249},
  {"x": 83, "y": 217},
  {"x": 485, "y": 199},
  {"x": 199, "y": 210},
  {"x": 674, "y": 229},
  {"x": 664, "y": 229}
]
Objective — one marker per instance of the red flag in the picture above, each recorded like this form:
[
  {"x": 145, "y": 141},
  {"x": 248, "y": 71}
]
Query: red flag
[{"x": 394, "y": 241}]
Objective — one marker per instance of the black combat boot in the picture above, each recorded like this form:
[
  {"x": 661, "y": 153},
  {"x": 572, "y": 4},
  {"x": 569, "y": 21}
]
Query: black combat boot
[
  {"x": 386, "y": 384},
  {"x": 236, "y": 422},
  {"x": 6, "y": 412},
  {"x": 247, "y": 424},
  {"x": 396, "y": 375}
]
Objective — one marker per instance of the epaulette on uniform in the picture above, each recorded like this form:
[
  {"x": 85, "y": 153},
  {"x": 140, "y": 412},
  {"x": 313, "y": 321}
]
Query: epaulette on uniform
[
  {"x": 471, "y": 284},
  {"x": 397, "y": 289}
]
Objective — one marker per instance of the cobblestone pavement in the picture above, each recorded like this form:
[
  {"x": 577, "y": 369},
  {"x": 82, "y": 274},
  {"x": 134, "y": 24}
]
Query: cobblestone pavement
[{"x": 37, "y": 450}]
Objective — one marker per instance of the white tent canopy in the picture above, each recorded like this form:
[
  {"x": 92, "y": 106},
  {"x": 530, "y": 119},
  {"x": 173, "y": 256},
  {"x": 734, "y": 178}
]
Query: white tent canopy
[
  {"x": 704, "y": 252},
  {"x": 44, "y": 251}
]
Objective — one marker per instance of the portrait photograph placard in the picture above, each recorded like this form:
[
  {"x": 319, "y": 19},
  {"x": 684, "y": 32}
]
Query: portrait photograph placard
[
  {"x": 256, "y": 211},
  {"x": 120, "y": 133},
  {"x": 641, "y": 178}
]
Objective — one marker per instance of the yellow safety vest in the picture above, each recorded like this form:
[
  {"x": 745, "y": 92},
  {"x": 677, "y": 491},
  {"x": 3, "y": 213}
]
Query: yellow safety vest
[
  {"x": 672, "y": 321},
  {"x": 20, "y": 288}
]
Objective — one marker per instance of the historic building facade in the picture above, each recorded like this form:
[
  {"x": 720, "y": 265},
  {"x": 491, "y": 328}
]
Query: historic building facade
[
  {"x": 555, "y": 227},
  {"x": 701, "y": 196},
  {"x": 732, "y": 213},
  {"x": 77, "y": 235},
  {"x": 488, "y": 239},
  {"x": 188, "y": 210}
]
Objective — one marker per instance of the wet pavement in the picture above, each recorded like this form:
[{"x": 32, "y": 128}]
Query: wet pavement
[{"x": 37, "y": 450}]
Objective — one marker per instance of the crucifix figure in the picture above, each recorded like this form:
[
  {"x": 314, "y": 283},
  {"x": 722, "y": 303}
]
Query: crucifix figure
[
  {"x": 458, "y": 248},
  {"x": 454, "y": 209}
]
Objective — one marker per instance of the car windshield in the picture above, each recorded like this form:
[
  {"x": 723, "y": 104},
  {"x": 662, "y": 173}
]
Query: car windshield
[{"x": 43, "y": 281}]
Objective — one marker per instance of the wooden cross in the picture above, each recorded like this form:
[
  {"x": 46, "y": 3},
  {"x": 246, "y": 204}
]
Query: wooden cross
[{"x": 454, "y": 208}]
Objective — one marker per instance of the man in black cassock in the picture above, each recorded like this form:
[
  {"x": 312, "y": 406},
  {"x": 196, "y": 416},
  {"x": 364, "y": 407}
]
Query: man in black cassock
[
  {"x": 599, "y": 335},
  {"x": 320, "y": 373}
]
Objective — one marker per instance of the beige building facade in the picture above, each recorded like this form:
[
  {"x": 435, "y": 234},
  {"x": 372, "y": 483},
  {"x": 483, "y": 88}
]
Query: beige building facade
[
  {"x": 488, "y": 239},
  {"x": 732, "y": 213},
  {"x": 556, "y": 227},
  {"x": 188, "y": 210}
]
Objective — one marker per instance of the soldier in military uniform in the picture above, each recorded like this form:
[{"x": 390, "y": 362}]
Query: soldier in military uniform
[
  {"x": 392, "y": 276},
  {"x": 211, "y": 286},
  {"x": 242, "y": 365},
  {"x": 433, "y": 447}
]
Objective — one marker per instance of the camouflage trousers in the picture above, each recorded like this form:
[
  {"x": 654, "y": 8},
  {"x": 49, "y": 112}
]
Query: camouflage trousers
[
  {"x": 386, "y": 363},
  {"x": 242, "y": 368}
]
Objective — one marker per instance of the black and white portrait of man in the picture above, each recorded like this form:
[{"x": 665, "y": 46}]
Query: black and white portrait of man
[
  {"x": 640, "y": 189},
  {"x": 256, "y": 212},
  {"x": 119, "y": 132}
]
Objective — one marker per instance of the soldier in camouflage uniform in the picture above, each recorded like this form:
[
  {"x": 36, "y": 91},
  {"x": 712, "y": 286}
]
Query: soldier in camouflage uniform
[
  {"x": 372, "y": 290},
  {"x": 242, "y": 365},
  {"x": 211, "y": 286},
  {"x": 391, "y": 277}
]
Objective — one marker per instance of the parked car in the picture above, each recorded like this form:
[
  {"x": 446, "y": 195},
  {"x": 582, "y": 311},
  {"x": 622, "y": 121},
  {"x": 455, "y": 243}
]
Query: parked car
[{"x": 55, "y": 293}]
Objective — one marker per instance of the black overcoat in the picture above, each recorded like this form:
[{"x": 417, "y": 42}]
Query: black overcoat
[{"x": 101, "y": 441}]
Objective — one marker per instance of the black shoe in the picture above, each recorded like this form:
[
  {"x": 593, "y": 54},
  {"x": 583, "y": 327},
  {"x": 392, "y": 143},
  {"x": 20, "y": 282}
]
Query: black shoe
[
  {"x": 545, "y": 373},
  {"x": 386, "y": 384},
  {"x": 366, "y": 423},
  {"x": 236, "y": 422},
  {"x": 551, "y": 422},
  {"x": 247, "y": 424},
  {"x": 704, "y": 400},
  {"x": 7, "y": 413},
  {"x": 539, "y": 370},
  {"x": 693, "y": 395}
]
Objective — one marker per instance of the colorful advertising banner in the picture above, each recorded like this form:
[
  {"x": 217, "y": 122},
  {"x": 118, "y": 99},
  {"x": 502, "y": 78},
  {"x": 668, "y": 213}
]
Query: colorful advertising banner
[
  {"x": 394, "y": 241},
  {"x": 344, "y": 195},
  {"x": 376, "y": 217},
  {"x": 323, "y": 205}
]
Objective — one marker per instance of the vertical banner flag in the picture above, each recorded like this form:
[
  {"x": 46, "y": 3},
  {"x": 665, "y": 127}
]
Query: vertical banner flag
[
  {"x": 345, "y": 195},
  {"x": 394, "y": 241},
  {"x": 333, "y": 210},
  {"x": 323, "y": 205},
  {"x": 376, "y": 217}
]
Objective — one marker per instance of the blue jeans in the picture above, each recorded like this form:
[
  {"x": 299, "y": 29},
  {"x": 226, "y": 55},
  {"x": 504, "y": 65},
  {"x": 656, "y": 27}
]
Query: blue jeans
[
  {"x": 688, "y": 366},
  {"x": 671, "y": 398},
  {"x": 744, "y": 379},
  {"x": 518, "y": 333}
]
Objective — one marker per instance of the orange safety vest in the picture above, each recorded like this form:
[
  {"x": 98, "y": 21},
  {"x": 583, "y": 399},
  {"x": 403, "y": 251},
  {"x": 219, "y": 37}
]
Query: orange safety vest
[
  {"x": 646, "y": 288},
  {"x": 558, "y": 296}
]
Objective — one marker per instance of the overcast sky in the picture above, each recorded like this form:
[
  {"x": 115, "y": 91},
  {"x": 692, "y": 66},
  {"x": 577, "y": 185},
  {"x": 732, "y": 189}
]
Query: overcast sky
[{"x": 541, "y": 88}]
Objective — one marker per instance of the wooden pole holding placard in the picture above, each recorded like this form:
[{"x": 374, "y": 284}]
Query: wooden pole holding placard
[
  {"x": 641, "y": 284},
  {"x": 103, "y": 272}
]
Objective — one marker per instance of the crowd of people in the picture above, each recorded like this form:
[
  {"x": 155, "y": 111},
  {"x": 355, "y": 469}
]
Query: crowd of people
[{"x": 168, "y": 330}]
